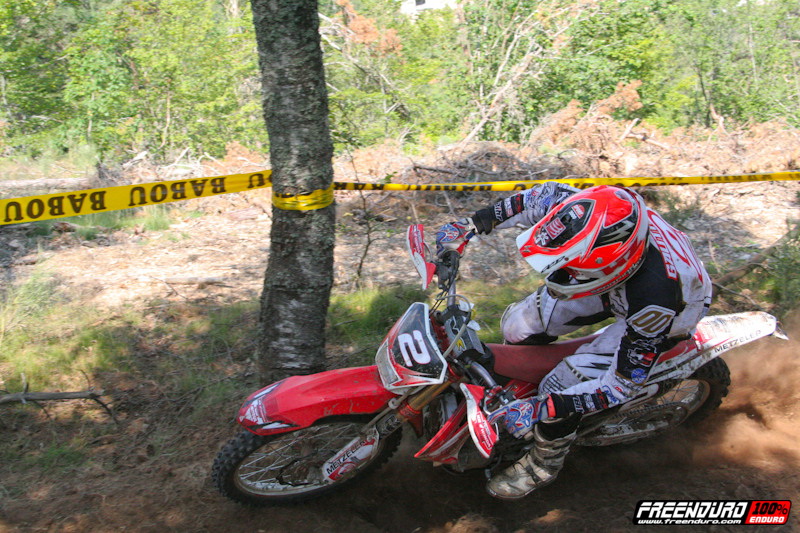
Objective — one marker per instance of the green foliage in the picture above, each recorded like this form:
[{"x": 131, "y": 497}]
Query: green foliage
[
  {"x": 32, "y": 72},
  {"x": 744, "y": 57},
  {"x": 389, "y": 76},
  {"x": 165, "y": 75},
  {"x": 160, "y": 76},
  {"x": 623, "y": 42},
  {"x": 149, "y": 74},
  {"x": 782, "y": 280}
]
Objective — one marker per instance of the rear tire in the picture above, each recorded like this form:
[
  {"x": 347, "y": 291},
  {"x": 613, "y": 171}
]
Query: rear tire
[
  {"x": 687, "y": 402},
  {"x": 718, "y": 377},
  {"x": 287, "y": 468}
]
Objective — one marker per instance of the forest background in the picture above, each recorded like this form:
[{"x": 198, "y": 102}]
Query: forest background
[
  {"x": 109, "y": 79},
  {"x": 157, "y": 307}
]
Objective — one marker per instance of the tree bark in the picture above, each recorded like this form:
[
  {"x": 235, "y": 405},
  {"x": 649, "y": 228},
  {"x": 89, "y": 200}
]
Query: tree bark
[{"x": 299, "y": 274}]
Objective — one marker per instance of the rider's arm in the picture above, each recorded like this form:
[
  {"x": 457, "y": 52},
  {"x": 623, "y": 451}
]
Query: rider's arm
[
  {"x": 653, "y": 301},
  {"x": 635, "y": 357},
  {"x": 525, "y": 208}
]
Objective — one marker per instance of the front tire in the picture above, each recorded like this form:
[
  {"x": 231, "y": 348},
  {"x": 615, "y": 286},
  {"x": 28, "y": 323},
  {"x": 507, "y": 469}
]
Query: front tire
[
  {"x": 287, "y": 468},
  {"x": 687, "y": 402}
]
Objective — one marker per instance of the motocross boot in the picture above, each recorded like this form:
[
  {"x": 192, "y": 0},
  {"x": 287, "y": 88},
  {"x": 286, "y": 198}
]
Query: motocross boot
[{"x": 537, "y": 468}]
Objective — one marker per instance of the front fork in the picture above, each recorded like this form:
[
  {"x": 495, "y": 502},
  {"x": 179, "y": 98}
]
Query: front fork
[
  {"x": 409, "y": 409},
  {"x": 361, "y": 450}
]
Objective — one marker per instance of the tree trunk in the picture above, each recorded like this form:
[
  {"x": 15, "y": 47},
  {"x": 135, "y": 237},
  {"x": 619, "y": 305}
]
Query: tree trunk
[{"x": 299, "y": 273}]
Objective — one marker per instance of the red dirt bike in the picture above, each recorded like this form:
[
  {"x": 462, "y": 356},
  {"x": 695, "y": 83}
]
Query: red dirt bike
[{"x": 310, "y": 435}]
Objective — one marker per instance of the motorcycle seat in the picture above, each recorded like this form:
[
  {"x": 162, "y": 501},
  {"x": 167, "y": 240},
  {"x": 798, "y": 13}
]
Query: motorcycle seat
[{"x": 531, "y": 363}]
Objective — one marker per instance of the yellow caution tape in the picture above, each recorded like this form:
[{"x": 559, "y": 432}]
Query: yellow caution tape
[
  {"x": 50, "y": 206},
  {"x": 580, "y": 183},
  {"x": 304, "y": 202}
]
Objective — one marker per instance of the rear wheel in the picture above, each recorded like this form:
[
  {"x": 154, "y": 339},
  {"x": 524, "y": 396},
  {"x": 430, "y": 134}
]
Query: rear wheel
[
  {"x": 687, "y": 401},
  {"x": 288, "y": 467}
]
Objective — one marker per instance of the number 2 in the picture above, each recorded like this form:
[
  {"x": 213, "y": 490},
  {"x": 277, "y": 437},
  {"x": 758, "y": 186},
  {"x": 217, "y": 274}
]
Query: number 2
[{"x": 413, "y": 348}]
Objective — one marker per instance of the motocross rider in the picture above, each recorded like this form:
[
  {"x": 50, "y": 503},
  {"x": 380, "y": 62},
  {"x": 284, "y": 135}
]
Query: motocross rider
[{"x": 604, "y": 254}]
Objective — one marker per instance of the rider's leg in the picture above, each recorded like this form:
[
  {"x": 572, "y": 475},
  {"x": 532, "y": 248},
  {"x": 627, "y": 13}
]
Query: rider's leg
[
  {"x": 541, "y": 465},
  {"x": 540, "y": 318},
  {"x": 552, "y": 440},
  {"x": 589, "y": 362}
]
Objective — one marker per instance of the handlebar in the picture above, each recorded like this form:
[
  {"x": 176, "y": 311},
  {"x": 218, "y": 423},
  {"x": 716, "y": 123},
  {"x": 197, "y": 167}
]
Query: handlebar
[
  {"x": 449, "y": 261},
  {"x": 473, "y": 354},
  {"x": 447, "y": 269}
]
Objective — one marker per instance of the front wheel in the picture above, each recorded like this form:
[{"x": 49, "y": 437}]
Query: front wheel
[
  {"x": 686, "y": 401},
  {"x": 288, "y": 467}
]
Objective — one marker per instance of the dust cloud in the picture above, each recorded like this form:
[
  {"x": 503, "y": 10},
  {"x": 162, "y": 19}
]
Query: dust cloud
[
  {"x": 757, "y": 423},
  {"x": 748, "y": 449}
]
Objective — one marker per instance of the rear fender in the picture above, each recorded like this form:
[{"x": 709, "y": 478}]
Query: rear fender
[
  {"x": 714, "y": 336},
  {"x": 299, "y": 401}
]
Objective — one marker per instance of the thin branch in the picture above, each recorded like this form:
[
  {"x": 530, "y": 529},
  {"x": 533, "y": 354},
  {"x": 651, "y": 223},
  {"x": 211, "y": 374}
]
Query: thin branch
[
  {"x": 25, "y": 397},
  {"x": 739, "y": 294},
  {"x": 757, "y": 260},
  {"x": 36, "y": 397}
]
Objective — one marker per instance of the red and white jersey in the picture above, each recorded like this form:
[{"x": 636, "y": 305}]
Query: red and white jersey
[
  {"x": 664, "y": 297},
  {"x": 656, "y": 307}
]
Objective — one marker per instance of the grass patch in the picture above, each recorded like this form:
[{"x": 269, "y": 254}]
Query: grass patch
[
  {"x": 54, "y": 340},
  {"x": 785, "y": 284},
  {"x": 50, "y": 162},
  {"x": 492, "y": 300},
  {"x": 26, "y": 302},
  {"x": 64, "y": 457},
  {"x": 361, "y": 319},
  {"x": 64, "y": 346},
  {"x": 779, "y": 284},
  {"x": 771, "y": 286},
  {"x": 91, "y": 225},
  {"x": 672, "y": 207}
]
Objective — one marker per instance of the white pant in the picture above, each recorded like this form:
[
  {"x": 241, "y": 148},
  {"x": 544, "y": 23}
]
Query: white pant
[
  {"x": 593, "y": 367},
  {"x": 540, "y": 313}
]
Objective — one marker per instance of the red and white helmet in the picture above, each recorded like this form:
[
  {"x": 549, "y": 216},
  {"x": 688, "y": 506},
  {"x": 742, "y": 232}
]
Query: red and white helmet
[{"x": 590, "y": 243}]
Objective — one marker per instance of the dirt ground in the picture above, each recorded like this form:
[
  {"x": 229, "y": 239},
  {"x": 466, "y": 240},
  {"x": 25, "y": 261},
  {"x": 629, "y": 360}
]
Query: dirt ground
[{"x": 747, "y": 450}]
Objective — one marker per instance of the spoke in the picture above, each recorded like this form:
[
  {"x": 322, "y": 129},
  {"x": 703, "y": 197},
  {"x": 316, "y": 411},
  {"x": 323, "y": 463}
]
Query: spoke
[
  {"x": 292, "y": 462},
  {"x": 669, "y": 409}
]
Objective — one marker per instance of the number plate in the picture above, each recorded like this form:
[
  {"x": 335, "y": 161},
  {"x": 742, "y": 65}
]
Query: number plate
[{"x": 409, "y": 355}]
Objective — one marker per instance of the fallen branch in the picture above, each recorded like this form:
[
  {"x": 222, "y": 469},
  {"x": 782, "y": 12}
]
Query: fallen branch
[
  {"x": 25, "y": 397},
  {"x": 628, "y": 130},
  {"x": 35, "y": 397},
  {"x": 738, "y": 294},
  {"x": 643, "y": 137},
  {"x": 757, "y": 260},
  {"x": 442, "y": 170},
  {"x": 194, "y": 280}
]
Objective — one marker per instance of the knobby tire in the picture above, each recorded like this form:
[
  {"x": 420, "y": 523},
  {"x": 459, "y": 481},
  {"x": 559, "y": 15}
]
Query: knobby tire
[{"x": 299, "y": 453}]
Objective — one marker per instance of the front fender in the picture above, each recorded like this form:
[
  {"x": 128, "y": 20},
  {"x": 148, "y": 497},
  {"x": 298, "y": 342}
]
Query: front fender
[{"x": 299, "y": 401}]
